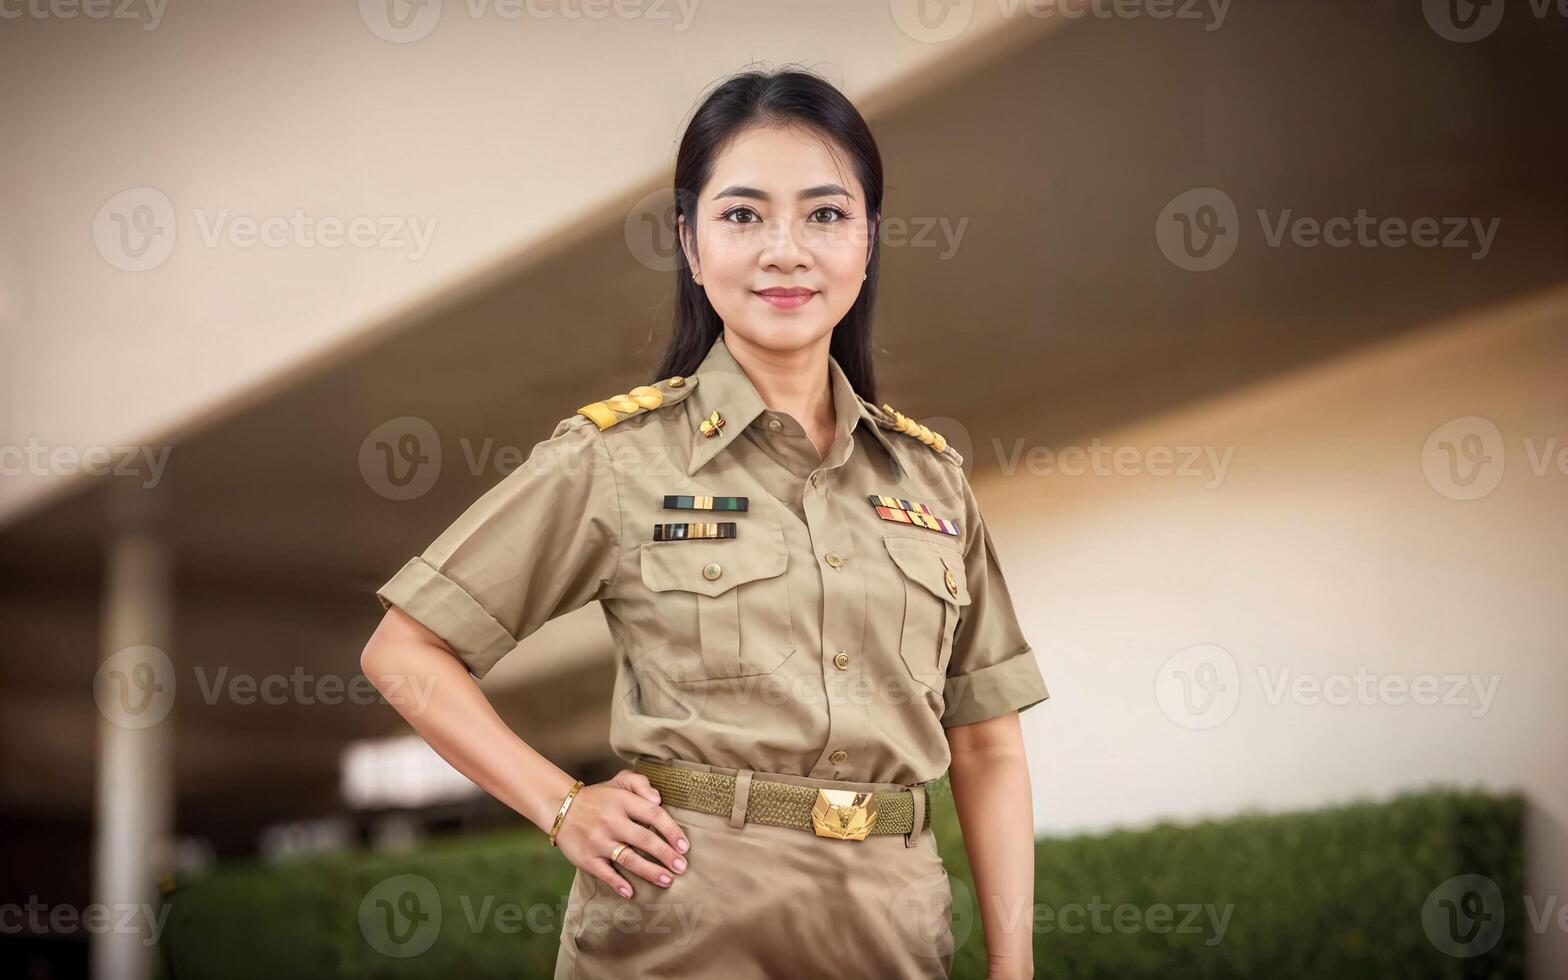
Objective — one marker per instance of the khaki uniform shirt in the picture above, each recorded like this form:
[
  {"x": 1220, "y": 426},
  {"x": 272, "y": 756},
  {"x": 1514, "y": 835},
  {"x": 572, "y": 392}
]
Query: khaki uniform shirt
[{"x": 822, "y": 640}]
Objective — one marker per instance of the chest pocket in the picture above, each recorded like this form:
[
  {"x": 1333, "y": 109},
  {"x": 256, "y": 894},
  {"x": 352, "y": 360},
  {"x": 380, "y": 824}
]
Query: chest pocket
[
  {"x": 934, "y": 594},
  {"x": 731, "y": 594}
]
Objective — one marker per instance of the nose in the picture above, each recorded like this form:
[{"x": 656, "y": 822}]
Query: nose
[{"x": 780, "y": 247}]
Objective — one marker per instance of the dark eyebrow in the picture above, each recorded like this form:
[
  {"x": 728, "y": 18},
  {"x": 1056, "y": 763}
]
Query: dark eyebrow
[{"x": 821, "y": 190}]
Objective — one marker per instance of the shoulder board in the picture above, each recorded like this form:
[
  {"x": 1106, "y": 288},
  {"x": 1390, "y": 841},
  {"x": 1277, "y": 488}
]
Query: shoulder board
[
  {"x": 891, "y": 418},
  {"x": 643, "y": 398}
]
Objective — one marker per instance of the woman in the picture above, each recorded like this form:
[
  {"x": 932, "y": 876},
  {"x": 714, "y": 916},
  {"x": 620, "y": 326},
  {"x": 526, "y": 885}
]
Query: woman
[{"x": 809, "y": 619}]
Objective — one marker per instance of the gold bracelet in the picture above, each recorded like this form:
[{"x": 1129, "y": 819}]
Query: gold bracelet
[{"x": 561, "y": 815}]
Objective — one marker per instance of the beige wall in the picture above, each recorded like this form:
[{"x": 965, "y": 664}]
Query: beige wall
[
  {"x": 1321, "y": 548},
  {"x": 482, "y": 136}
]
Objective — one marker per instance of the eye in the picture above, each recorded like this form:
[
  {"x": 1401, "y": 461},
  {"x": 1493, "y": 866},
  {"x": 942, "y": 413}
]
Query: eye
[
  {"x": 740, "y": 209},
  {"x": 837, "y": 214}
]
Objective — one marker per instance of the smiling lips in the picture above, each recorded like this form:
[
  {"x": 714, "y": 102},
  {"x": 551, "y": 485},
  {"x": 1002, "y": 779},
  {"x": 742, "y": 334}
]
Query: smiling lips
[{"x": 786, "y": 298}]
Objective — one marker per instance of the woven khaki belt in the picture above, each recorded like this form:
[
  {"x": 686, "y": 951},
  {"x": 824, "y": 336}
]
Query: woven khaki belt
[{"x": 839, "y": 813}]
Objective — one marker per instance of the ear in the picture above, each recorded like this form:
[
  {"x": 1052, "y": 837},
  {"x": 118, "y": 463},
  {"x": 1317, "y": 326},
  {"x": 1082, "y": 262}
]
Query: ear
[{"x": 682, "y": 232}]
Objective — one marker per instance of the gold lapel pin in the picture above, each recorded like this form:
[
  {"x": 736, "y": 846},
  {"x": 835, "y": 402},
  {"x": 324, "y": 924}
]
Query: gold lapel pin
[{"x": 711, "y": 425}]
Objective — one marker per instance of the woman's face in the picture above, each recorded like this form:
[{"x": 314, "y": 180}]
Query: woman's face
[{"x": 781, "y": 241}]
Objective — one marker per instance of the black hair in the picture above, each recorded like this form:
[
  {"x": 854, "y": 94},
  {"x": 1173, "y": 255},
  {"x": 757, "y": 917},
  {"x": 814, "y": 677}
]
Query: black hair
[{"x": 779, "y": 97}]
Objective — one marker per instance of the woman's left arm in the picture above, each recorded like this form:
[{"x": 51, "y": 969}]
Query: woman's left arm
[{"x": 990, "y": 780}]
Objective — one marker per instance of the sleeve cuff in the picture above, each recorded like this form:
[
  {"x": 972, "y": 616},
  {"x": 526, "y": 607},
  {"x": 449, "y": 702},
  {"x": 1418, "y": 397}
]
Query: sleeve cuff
[
  {"x": 447, "y": 610},
  {"x": 1013, "y": 684}
]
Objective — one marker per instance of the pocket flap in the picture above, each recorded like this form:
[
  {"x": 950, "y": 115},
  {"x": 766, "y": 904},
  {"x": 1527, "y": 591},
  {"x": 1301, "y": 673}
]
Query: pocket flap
[
  {"x": 679, "y": 565},
  {"x": 929, "y": 564}
]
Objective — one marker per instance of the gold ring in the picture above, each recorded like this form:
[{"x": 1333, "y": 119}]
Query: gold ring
[{"x": 616, "y": 853}]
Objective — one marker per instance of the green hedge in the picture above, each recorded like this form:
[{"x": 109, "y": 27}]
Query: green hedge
[{"x": 1325, "y": 893}]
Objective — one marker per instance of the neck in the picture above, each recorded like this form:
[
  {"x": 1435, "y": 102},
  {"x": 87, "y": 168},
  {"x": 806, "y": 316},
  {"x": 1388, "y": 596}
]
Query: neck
[{"x": 794, "y": 382}]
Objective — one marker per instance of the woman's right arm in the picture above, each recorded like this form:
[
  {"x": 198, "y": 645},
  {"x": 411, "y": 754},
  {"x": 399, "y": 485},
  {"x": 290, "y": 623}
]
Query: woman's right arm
[{"x": 455, "y": 717}]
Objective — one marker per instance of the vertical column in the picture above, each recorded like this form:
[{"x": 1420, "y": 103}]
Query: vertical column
[{"x": 134, "y": 689}]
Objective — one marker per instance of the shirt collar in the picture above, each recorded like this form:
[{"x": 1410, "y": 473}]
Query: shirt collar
[{"x": 723, "y": 387}]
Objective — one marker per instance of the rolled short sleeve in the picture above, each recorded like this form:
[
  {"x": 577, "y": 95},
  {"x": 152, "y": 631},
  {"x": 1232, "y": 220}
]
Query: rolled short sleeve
[
  {"x": 992, "y": 670},
  {"x": 540, "y": 543}
]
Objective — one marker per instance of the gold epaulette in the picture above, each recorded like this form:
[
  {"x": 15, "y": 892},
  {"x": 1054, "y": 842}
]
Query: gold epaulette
[
  {"x": 640, "y": 399},
  {"x": 909, "y": 427}
]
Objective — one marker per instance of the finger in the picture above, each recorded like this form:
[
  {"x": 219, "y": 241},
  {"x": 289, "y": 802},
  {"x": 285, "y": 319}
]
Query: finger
[
  {"x": 653, "y": 845},
  {"x": 659, "y": 818},
  {"x": 602, "y": 869},
  {"x": 640, "y": 866},
  {"x": 638, "y": 783}
]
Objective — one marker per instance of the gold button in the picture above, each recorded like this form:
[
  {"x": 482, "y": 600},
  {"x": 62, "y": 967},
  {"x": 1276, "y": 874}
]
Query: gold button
[
  {"x": 833, "y": 559},
  {"x": 711, "y": 571},
  {"x": 838, "y": 757},
  {"x": 816, "y": 478},
  {"x": 677, "y": 382},
  {"x": 952, "y": 583},
  {"x": 775, "y": 425},
  {"x": 841, "y": 660}
]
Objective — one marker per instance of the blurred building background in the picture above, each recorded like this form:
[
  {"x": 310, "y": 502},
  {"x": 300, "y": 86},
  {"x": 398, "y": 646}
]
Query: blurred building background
[{"x": 1251, "y": 323}]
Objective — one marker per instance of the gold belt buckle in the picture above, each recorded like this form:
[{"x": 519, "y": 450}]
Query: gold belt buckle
[{"x": 843, "y": 814}]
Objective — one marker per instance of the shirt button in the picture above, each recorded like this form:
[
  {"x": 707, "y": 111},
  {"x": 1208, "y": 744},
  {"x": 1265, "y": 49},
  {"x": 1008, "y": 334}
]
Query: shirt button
[
  {"x": 838, "y": 757},
  {"x": 833, "y": 558},
  {"x": 712, "y": 571},
  {"x": 816, "y": 478},
  {"x": 841, "y": 661},
  {"x": 775, "y": 425}
]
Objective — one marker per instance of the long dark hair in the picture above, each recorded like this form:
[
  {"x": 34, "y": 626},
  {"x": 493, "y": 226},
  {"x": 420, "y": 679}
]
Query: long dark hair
[{"x": 782, "y": 96}]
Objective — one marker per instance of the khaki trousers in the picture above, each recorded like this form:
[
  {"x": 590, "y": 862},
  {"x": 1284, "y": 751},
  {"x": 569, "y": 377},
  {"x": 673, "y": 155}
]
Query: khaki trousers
[{"x": 757, "y": 901}]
